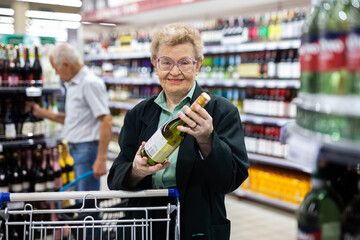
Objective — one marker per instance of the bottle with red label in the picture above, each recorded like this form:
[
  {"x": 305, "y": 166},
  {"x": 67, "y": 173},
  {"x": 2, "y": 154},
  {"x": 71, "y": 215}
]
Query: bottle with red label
[
  {"x": 333, "y": 29},
  {"x": 319, "y": 215},
  {"x": 309, "y": 51},
  {"x": 353, "y": 47}
]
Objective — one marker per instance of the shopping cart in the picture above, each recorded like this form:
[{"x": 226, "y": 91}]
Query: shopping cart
[{"x": 32, "y": 223}]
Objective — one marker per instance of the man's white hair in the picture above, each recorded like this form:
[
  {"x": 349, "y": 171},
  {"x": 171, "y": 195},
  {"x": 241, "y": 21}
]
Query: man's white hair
[{"x": 63, "y": 52}]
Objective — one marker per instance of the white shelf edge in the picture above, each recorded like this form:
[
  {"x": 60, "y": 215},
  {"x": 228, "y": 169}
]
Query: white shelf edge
[
  {"x": 264, "y": 199},
  {"x": 281, "y": 162},
  {"x": 241, "y": 47},
  {"x": 265, "y": 119}
]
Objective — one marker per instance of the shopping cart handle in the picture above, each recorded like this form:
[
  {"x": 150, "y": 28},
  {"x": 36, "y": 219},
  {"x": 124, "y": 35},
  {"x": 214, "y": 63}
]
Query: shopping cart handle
[
  {"x": 173, "y": 192},
  {"x": 4, "y": 197}
]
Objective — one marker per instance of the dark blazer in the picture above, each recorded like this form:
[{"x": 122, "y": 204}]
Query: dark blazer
[{"x": 202, "y": 183}]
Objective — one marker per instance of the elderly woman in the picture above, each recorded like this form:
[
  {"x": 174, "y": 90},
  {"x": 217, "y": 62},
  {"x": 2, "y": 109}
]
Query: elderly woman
[{"x": 212, "y": 160}]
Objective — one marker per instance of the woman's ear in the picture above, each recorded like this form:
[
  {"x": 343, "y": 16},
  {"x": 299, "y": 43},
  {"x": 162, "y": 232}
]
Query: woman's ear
[
  {"x": 153, "y": 61},
  {"x": 198, "y": 65}
]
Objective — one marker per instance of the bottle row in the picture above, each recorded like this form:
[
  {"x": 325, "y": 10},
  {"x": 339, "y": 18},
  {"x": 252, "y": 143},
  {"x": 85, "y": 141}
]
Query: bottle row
[
  {"x": 274, "y": 64},
  {"x": 330, "y": 49},
  {"x": 275, "y": 102},
  {"x": 333, "y": 126},
  {"x": 289, "y": 186},
  {"x": 36, "y": 169},
  {"x": 264, "y": 139},
  {"x": 270, "y": 26},
  {"x": 332, "y": 208},
  {"x": 271, "y": 64},
  {"x": 18, "y": 71},
  {"x": 17, "y": 121}
]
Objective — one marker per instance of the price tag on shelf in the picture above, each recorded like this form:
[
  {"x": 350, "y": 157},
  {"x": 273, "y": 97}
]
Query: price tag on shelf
[
  {"x": 303, "y": 150},
  {"x": 33, "y": 92}
]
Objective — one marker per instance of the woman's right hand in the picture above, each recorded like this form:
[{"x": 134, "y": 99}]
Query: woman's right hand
[{"x": 141, "y": 169}]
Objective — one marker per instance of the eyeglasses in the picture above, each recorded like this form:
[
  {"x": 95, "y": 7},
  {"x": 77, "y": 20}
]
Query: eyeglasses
[{"x": 184, "y": 64}]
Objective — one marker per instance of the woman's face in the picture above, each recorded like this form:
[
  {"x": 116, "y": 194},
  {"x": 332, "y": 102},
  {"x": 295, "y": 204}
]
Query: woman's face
[{"x": 176, "y": 82}]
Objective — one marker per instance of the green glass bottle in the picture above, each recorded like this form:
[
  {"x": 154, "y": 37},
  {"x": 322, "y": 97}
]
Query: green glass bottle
[
  {"x": 353, "y": 47},
  {"x": 319, "y": 215},
  {"x": 333, "y": 29},
  {"x": 309, "y": 51},
  {"x": 167, "y": 138},
  {"x": 351, "y": 215}
]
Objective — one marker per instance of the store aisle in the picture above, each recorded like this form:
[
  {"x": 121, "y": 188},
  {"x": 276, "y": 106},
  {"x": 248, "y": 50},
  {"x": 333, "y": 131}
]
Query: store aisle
[{"x": 251, "y": 220}]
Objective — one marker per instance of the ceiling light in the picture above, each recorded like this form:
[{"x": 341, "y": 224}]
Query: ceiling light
[
  {"x": 6, "y": 28},
  {"x": 68, "y": 3},
  {"x": 108, "y": 24},
  {"x": 9, "y": 20},
  {"x": 53, "y": 15},
  {"x": 7, "y": 11}
]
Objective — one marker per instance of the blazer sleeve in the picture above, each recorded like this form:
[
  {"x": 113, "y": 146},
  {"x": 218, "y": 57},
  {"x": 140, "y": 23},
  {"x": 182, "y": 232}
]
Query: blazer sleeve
[{"x": 226, "y": 166}]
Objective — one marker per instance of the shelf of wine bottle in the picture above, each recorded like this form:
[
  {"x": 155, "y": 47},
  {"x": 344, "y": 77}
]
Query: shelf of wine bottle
[
  {"x": 26, "y": 143},
  {"x": 219, "y": 49},
  {"x": 30, "y": 91},
  {"x": 346, "y": 105},
  {"x": 265, "y": 120},
  {"x": 242, "y": 83}
]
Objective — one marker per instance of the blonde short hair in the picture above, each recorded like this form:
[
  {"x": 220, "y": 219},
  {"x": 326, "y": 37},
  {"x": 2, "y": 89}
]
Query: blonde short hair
[{"x": 174, "y": 34}]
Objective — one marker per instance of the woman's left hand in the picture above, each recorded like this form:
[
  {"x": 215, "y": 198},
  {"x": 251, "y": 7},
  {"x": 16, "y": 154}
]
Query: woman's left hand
[{"x": 200, "y": 126}]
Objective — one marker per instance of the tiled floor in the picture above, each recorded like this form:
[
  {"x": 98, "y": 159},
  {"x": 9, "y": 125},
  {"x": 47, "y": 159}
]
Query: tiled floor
[{"x": 251, "y": 220}]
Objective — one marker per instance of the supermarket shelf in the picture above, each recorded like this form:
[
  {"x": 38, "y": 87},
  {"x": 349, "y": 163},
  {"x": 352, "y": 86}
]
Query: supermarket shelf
[
  {"x": 49, "y": 142},
  {"x": 339, "y": 105},
  {"x": 121, "y": 105},
  {"x": 242, "y": 83},
  {"x": 29, "y": 91},
  {"x": 280, "y": 162},
  {"x": 242, "y": 47},
  {"x": 306, "y": 147},
  {"x": 255, "y": 83},
  {"x": 265, "y": 120},
  {"x": 267, "y": 200},
  {"x": 251, "y": 47}
]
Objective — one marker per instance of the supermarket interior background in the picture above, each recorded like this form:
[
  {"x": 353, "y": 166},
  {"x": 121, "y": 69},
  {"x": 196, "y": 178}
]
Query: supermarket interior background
[{"x": 292, "y": 67}]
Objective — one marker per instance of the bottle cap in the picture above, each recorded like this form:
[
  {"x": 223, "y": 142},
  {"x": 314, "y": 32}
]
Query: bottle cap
[{"x": 202, "y": 100}]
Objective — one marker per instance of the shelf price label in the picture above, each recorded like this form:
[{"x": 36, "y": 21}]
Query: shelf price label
[{"x": 33, "y": 92}]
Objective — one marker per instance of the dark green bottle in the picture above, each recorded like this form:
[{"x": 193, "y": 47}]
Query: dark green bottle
[{"x": 319, "y": 215}]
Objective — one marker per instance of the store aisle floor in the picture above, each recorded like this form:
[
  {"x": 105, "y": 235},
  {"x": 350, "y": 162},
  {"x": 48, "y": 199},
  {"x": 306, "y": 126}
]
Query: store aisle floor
[{"x": 251, "y": 220}]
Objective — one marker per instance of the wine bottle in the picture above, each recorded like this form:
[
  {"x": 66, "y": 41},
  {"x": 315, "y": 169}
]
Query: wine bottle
[
  {"x": 4, "y": 179},
  {"x": 9, "y": 122},
  {"x": 351, "y": 215},
  {"x": 167, "y": 138},
  {"x": 49, "y": 172},
  {"x": 319, "y": 214},
  {"x": 13, "y": 77},
  {"x": 16, "y": 178},
  {"x": 37, "y": 69},
  {"x": 17, "y": 67},
  {"x": 26, "y": 70},
  {"x": 40, "y": 181},
  {"x": 24, "y": 172},
  {"x": 57, "y": 170}
]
